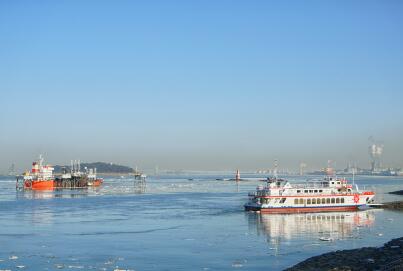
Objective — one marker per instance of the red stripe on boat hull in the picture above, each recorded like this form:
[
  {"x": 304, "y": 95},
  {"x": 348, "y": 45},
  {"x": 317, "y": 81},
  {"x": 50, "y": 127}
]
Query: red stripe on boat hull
[
  {"x": 301, "y": 210},
  {"x": 307, "y": 210}
]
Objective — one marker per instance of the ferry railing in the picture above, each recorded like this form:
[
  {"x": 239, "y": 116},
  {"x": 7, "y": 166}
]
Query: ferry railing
[{"x": 309, "y": 186}]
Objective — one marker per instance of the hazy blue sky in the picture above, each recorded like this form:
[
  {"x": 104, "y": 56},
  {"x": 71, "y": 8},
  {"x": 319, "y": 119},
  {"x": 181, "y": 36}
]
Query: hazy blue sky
[{"x": 200, "y": 84}]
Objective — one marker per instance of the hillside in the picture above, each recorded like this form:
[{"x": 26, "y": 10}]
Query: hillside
[{"x": 101, "y": 168}]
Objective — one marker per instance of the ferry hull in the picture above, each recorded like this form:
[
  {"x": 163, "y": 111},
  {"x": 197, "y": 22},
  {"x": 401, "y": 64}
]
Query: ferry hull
[
  {"x": 288, "y": 210},
  {"x": 40, "y": 185}
]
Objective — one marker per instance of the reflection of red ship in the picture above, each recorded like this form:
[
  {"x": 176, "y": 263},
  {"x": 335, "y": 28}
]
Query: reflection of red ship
[{"x": 41, "y": 178}]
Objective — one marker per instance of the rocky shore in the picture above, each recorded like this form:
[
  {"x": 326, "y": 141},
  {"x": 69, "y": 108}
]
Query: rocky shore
[
  {"x": 387, "y": 257},
  {"x": 395, "y": 205},
  {"x": 399, "y": 192}
]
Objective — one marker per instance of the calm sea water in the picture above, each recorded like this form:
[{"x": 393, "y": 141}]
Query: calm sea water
[{"x": 175, "y": 224}]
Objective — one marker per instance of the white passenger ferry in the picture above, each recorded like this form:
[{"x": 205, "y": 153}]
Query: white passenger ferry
[{"x": 328, "y": 195}]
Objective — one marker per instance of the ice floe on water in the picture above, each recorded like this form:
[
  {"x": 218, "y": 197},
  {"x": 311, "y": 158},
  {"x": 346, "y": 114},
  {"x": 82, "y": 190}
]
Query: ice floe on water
[{"x": 238, "y": 264}]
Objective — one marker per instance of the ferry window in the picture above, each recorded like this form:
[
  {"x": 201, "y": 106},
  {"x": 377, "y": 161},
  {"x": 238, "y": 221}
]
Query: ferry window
[
  {"x": 308, "y": 201},
  {"x": 298, "y": 191},
  {"x": 338, "y": 182},
  {"x": 313, "y": 201},
  {"x": 282, "y": 200},
  {"x": 333, "y": 200},
  {"x": 367, "y": 200},
  {"x": 339, "y": 190},
  {"x": 342, "y": 200},
  {"x": 317, "y": 201},
  {"x": 305, "y": 191},
  {"x": 320, "y": 191},
  {"x": 310, "y": 191},
  {"x": 349, "y": 190},
  {"x": 261, "y": 200},
  {"x": 332, "y": 182},
  {"x": 295, "y": 201},
  {"x": 323, "y": 200},
  {"x": 327, "y": 200},
  {"x": 316, "y": 191},
  {"x": 337, "y": 200},
  {"x": 301, "y": 201}
]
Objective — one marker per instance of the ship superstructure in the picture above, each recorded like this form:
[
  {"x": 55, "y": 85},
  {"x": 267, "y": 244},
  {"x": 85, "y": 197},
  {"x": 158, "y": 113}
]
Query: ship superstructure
[
  {"x": 327, "y": 195},
  {"x": 40, "y": 177}
]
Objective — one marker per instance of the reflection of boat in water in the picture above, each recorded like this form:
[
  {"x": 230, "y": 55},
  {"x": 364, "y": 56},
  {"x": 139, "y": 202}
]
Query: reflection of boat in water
[
  {"x": 56, "y": 193},
  {"x": 318, "y": 226},
  {"x": 328, "y": 195}
]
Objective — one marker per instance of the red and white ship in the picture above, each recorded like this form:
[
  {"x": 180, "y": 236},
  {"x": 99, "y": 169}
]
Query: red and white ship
[
  {"x": 328, "y": 195},
  {"x": 40, "y": 177}
]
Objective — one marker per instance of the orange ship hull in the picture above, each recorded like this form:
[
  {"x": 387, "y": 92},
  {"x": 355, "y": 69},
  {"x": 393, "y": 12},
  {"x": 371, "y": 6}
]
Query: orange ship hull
[
  {"x": 98, "y": 182},
  {"x": 95, "y": 183},
  {"x": 40, "y": 185}
]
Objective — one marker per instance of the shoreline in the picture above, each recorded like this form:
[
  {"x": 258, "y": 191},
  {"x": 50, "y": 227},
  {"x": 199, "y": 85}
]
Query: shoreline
[
  {"x": 393, "y": 206},
  {"x": 387, "y": 257}
]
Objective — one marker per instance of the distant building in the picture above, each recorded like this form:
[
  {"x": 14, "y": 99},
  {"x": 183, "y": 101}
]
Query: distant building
[
  {"x": 375, "y": 152},
  {"x": 302, "y": 167}
]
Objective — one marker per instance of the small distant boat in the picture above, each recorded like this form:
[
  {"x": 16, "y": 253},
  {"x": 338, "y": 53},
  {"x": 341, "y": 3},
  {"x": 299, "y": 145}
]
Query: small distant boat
[{"x": 327, "y": 239}]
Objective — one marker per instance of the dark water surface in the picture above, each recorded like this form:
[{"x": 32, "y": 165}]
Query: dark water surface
[{"x": 175, "y": 224}]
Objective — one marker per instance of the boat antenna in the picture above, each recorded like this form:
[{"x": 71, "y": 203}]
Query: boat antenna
[{"x": 353, "y": 174}]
